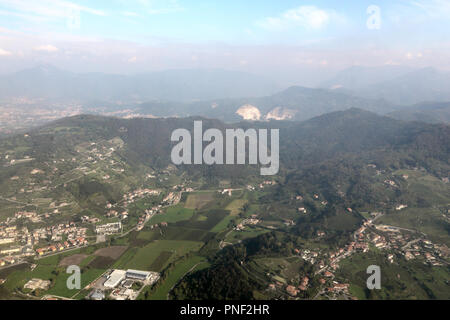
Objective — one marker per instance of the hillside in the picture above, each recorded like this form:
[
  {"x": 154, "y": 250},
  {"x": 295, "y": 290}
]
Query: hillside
[
  {"x": 337, "y": 172},
  {"x": 432, "y": 112},
  {"x": 352, "y": 138}
]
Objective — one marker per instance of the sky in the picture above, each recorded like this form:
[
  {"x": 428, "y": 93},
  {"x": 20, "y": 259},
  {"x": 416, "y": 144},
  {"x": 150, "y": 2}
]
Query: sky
[{"x": 282, "y": 38}]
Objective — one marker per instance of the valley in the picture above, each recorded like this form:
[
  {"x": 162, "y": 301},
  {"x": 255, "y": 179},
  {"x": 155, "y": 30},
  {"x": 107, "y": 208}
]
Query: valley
[{"x": 354, "y": 188}]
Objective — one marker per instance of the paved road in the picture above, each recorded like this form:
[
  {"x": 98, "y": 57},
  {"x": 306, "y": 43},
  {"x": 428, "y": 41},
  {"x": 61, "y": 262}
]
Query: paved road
[{"x": 59, "y": 252}]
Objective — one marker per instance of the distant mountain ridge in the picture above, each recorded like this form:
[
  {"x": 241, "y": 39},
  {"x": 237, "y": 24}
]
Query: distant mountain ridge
[
  {"x": 395, "y": 84},
  {"x": 431, "y": 112},
  {"x": 426, "y": 84},
  {"x": 233, "y": 96},
  {"x": 358, "y": 77},
  {"x": 295, "y": 103},
  {"x": 48, "y": 82}
]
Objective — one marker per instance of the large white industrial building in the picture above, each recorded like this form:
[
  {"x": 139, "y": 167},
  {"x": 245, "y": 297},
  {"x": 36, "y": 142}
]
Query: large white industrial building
[{"x": 115, "y": 278}]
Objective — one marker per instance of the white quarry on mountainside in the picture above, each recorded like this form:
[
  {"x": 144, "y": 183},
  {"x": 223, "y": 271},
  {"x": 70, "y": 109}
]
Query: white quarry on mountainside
[
  {"x": 249, "y": 112},
  {"x": 280, "y": 113}
]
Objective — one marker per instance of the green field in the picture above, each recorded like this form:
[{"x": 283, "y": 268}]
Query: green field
[
  {"x": 60, "y": 288},
  {"x": 223, "y": 224},
  {"x": 161, "y": 260},
  {"x": 235, "y": 207},
  {"x": 426, "y": 220},
  {"x": 125, "y": 258},
  {"x": 213, "y": 217},
  {"x": 172, "y": 214},
  {"x": 198, "y": 200},
  {"x": 57, "y": 275},
  {"x": 175, "y": 233},
  {"x": 249, "y": 232},
  {"x": 144, "y": 258},
  {"x": 425, "y": 186}
]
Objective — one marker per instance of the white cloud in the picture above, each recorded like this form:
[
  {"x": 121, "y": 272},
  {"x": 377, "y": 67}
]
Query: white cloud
[
  {"x": 23, "y": 16},
  {"x": 46, "y": 9},
  {"x": 308, "y": 17},
  {"x": 46, "y": 48},
  {"x": 132, "y": 60},
  {"x": 4, "y": 52},
  {"x": 419, "y": 11},
  {"x": 433, "y": 8}
]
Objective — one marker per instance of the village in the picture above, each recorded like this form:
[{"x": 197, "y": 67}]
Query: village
[
  {"x": 31, "y": 232},
  {"x": 19, "y": 243},
  {"x": 397, "y": 243},
  {"x": 25, "y": 243}
]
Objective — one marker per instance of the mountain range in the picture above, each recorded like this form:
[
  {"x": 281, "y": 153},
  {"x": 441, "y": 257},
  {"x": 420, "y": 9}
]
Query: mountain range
[
  {"x": 294, "y": 103},
  {"x": 51, "y": 83},
  {"x": 401, "y": 92},
  {"x": 395, "y": 84}
]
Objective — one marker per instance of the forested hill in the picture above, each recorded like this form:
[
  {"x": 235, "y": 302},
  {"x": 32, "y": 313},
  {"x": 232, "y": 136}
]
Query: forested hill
[
  {"x": 357, "y": 131},
  {"x": 353, "y": 131}
]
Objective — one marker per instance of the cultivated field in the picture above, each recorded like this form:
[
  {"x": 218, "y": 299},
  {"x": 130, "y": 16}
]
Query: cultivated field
[
  {"x": 236, "y": 206},
  {"x": 156, "y": 254},
  {"x": 113, "y": 252},
  {"x": 198, "y": 200},
  {"x": 76, "y": 259}
]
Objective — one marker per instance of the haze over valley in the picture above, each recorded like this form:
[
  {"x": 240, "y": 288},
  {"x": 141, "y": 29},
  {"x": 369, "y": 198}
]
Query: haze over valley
[{"x": 47, "y": 93}]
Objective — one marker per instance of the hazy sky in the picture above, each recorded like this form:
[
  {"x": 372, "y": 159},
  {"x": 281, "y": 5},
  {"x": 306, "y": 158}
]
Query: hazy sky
[{"x": 280, "y": 36}]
